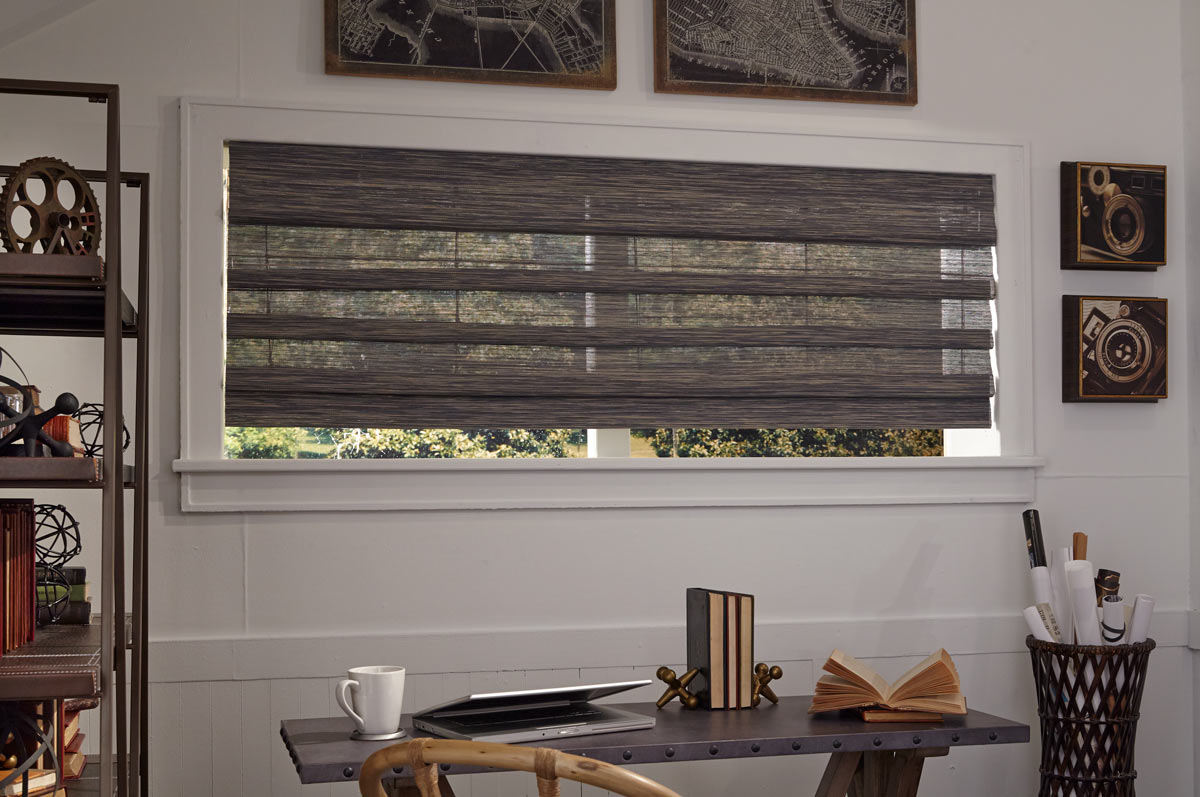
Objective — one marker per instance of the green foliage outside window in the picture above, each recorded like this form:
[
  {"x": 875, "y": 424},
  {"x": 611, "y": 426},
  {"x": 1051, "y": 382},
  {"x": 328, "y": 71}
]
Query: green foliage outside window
[
  {"x": 794, "y": 442},
  {"x": 290, "y": 443}
]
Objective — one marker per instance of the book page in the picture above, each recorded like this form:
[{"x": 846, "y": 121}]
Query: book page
[
  {"x": 834, "y": 693},
  {"x": 953, "y": 703},
  {"x": 846, "y": 666},
  {"x": 934, "y": 675}
]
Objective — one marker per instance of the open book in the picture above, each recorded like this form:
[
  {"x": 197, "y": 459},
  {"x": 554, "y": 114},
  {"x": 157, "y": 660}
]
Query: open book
[{"x": 931, "y": 686}]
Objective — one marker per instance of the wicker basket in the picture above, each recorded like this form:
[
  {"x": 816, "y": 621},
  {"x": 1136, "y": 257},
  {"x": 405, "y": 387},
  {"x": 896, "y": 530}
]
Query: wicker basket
[{"x": 1089, "y": 698}]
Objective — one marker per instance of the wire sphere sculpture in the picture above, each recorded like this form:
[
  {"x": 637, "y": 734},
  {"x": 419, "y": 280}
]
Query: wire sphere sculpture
[
  {"x": 25, "y": 739},
  {"x": 55, "y": 535},
  {"x": 91, "y": 429},
  {"x": 53, "y": 594}
]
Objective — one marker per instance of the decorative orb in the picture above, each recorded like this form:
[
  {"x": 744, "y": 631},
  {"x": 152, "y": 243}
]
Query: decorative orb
[
  {"x": 56, "y": 535},
  {"x": 53, "y": 593},
  {"x": 91, "y": 429}
]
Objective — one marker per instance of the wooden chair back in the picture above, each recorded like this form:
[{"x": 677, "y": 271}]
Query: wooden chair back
[{"x": 423, "y": 755}]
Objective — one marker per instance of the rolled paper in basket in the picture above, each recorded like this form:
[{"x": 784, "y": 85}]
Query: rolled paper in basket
[
  {"x": 1139, "y": 624},
  {"x": 1036, "y": 626},
  {"x": 1041, "y": 584},
  {"x": 1083, "y": 601},
  {"x": 1108, "y": 582},
  {"x": 1060, "y": 594},
  {"x": 1112, "y": 627}
]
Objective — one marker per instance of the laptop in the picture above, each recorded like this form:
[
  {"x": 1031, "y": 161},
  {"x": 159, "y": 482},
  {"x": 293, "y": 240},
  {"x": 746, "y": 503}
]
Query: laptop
[{"x": 532, "y": 714}]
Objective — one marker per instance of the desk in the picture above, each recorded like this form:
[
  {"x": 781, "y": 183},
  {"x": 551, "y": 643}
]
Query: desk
[{"x": 868, "y": 759}]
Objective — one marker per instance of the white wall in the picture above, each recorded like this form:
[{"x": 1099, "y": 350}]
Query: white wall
[
  {"x": 1189, "y": 29},
  {"x": 421, "y": 588}
]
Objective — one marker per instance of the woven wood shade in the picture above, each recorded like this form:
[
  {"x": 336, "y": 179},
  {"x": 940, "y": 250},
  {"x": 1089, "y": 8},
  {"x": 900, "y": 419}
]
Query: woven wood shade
[{"x": 403, "y": 288}]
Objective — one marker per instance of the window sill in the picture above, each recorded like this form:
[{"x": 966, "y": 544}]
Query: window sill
[{"x": 432, "y": 485}]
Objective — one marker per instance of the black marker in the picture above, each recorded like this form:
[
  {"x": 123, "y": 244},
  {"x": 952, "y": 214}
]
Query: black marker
[{"x": 1033, "y": 538}]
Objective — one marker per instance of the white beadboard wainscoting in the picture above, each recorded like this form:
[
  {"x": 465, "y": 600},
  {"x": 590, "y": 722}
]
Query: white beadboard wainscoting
[{"x": 216, "y": 707}]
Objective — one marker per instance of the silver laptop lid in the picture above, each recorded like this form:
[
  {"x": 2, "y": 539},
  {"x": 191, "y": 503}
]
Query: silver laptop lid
[{"x": 528, "y": 698}]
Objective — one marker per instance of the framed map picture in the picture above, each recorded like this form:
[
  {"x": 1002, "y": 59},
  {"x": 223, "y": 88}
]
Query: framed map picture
[
  {"x": 843, "y": 50},
  {"x": 563, "y": 43}
]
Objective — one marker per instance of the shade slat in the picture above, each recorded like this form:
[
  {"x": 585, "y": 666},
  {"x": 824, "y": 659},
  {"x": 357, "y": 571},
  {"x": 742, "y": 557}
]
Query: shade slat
[
  {"x": 625, "y": 282},
  {"x": 334, "y": 186},
  {"x": 658, "y": 383},
  {"x": 338, "y": 410},
  {"x": 382, "y": 330}
]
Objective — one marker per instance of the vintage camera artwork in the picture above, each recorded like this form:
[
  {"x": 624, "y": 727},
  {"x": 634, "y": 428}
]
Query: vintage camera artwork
[
  {"x": 1114, "y": 348},
  {"x": 1114, "y": 216}
]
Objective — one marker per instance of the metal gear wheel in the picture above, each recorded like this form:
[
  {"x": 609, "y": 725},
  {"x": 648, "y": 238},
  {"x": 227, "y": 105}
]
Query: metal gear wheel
[{"x": 48, "y": 207}]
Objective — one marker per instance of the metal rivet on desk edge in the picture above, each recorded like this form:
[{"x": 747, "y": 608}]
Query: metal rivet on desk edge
[
  {"x": 754, "y": 748},
  {"x": 795, "y": 745},
  {"x": 993, "y": 736},
  {"x": 348, "y": 772},
  {"x": 916, "y": 740},
  {"x": 877, "y": 741},
  {"x": 670, "y": 752},
  {"x": 627, "y": 755},
  {"x": 954, "y": 738},
  {"x": 837, "y": 743},
  {"x": 712, "y": 750}
]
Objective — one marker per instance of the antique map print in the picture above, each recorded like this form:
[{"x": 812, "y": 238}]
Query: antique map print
[
  {"x": 856, "y": 50},
  {"x": 569, "y": 43}
]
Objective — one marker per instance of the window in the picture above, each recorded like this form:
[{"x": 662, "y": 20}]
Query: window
[
  {"x": 211, "y": 482},
  {"x": 382, "y": 301}
]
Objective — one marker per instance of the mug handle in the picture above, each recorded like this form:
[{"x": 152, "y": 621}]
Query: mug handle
[{"x": 344, "y": 702}]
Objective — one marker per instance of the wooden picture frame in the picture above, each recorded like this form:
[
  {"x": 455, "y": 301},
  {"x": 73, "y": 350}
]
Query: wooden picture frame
[
  {"x": 891, "y": 60},
  {"x": 580, "y": 53},
  {"x": 1113, "y": 215},
  {"x": 1114, "y": 348}
]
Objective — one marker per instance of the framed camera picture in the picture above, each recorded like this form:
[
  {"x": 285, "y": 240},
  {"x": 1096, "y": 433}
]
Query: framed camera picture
[
  {"x": 1114, "y": 216},
  {"x": 1114, "y": 348}
]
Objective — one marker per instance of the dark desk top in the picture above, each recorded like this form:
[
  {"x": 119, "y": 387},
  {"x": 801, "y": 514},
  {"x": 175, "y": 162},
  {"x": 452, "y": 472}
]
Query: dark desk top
[{"x": 324, "y": 753}]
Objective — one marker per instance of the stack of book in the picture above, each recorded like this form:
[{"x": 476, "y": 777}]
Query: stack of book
[
  {"x": 18, "y": 611},
  {"x": 720, "y": 642},
  {"x": 79, "y": 605},
  {"x": 65, "y": 428},
  {"x": 923, "y": 694},
  {"x": 40, "y": 783},
  {"x": 68, "y": 739}
]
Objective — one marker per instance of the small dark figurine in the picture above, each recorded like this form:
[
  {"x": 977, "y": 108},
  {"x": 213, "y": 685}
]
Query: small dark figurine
[
  {"x": 27, "y": 425},
  {"x": 677, "y": 687},
  {"x": 763, "y": 675}
]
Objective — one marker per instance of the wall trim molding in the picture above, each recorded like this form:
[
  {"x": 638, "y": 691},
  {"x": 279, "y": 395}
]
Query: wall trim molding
[
  {"x": 425, "y": 485},
  {"x": 263, "y": 658}
]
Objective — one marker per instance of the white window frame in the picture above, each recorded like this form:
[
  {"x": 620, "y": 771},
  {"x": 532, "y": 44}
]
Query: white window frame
[{"x": 210, "y": 483}]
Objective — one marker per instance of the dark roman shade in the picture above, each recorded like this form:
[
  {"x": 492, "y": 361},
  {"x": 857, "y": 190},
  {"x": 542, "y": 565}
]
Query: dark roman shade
[{"x": 419, "y": 289}]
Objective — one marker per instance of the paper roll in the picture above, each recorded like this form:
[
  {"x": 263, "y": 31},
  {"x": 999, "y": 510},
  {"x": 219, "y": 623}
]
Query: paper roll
[
  {"x": 1060, "y": 595},
  {"x": 1112, "y": 627},
  {"x": 1036, "y": 626},
  {"x": 1041, "y": 584},
  {"x": 1139, "y": 625},
  {"x": 1081, "y": 582}
]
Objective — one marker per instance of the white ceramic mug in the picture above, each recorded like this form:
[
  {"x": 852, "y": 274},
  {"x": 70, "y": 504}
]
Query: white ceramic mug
[{"x": 374, "y": 701}]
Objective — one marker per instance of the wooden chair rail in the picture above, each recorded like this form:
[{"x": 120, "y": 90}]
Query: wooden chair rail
[{"x": 423, "y": 756}]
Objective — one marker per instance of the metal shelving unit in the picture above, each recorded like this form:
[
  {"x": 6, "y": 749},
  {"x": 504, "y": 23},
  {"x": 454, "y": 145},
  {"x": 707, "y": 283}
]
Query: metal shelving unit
[{"x": 73, "y": 295}]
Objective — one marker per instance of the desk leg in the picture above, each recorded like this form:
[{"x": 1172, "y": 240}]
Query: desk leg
[
  {"x": 839, "y": 774},
  {"x": 905, "y": 775},
  {"x": 407, "y": 787},
  {"x": 876, "y": 774}
]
